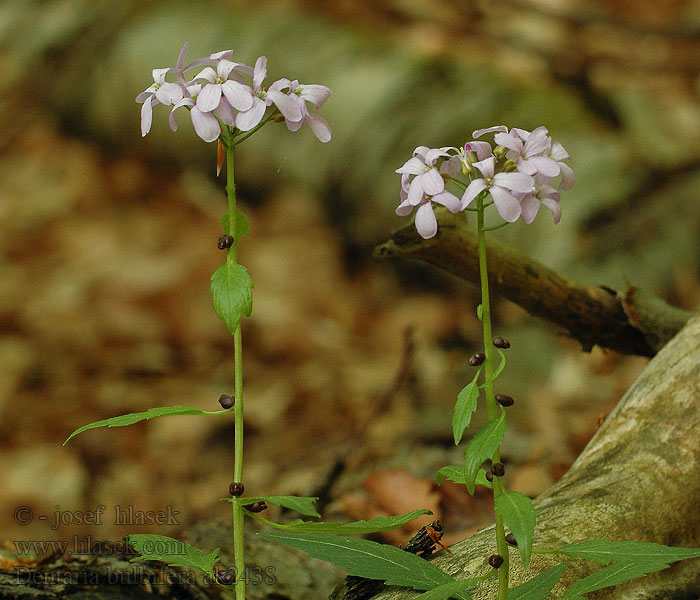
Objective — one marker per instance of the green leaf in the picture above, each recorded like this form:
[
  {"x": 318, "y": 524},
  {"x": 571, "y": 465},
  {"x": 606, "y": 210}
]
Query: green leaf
[
  {"x": 604, "y": 552},
  {"x": 454, "y": 589},
  {"x": 481, "y": 448},
  {"x": 242, "y": 225},
  {"x": 497, "y": 372},
  {"x": 355, "y": 527},
  {"x": 171, "y": 551},
  {"x": 304, "y": 505},
  {"x": 231, "y": 287},
  {"x": 464, "y": 408},
  {"x": 151, "y": 413},
  {"x": 455, "y": 473},
  {"x": 367, "y": 559},
  {"x": 612, "y": 575},
  {"x": 519, "y": 515},
  {"x": 539, "y": 587}
]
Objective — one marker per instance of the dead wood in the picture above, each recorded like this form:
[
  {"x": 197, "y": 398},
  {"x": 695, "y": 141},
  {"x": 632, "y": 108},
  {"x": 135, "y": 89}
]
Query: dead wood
[
  {"x": 637, "y": 479},
  {"x": 631, "y": 322}
]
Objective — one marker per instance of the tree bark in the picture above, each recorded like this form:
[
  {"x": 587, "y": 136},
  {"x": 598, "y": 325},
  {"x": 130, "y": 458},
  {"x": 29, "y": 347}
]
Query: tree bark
[
  {"x": 637, "y": 479},
  {"x": 632, "y": 322}
]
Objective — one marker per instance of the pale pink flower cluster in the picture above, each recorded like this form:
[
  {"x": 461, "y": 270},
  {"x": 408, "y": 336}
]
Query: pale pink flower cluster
[
  {"x": 220, "y": 94},
  {"x": 522, "y": 172}
]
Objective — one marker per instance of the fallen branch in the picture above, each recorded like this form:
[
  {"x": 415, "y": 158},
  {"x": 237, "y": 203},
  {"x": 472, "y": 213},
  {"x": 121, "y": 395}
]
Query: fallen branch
[
  {"x": 632, "y": 323},
  {"x": 637, "y": 479}
]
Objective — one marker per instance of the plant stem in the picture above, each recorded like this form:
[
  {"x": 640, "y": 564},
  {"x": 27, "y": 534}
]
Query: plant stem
[
  {"x": 237, "y": 510},
  {"x": 491, "y": 404}
]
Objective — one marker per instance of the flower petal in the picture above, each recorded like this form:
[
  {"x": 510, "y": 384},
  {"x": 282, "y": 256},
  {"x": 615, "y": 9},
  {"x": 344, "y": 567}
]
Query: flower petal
[
  {"x": 448, "y": 200},
  {"x": 169, "y": 93},
  {"x": 480, "y": 132},
  {"x": 316, "y": 94},
  {"x": 319, "y": 127},
  {"x": 404, "y": 209},
  {"x": 486, "y": 166},
  {"x": 240, "y": 96},
  {"x": 146, "y": 116},
  {"x": 554, "y": 206},
  {"x": 259, "y": 73},
  {"x": 506, "y": 204},
  {"x": 413, "y": 166},
  {"x": 208, "y": 74},
  {"x": 517, "y": 182},
  {"x": 426, "y": 223},
  {"x": 287, "y": 106},
  {"x": 209, "y": 97},
  {"x": 473, "y": 190},
  {"x": 529, "y": 206},
  {"x": 432, "y": 182},
  {"x": 567, "y": 177},
  {"x": 205, "y": 124},
  {"x": 509, "y": 141},
  {"x": 245, "y": 121},
  {"x": 545, "y": 165}
]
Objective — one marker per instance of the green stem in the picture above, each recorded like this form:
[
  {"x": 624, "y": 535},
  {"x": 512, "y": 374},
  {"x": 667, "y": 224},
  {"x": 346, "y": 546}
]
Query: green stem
[
  {"x": 237, "y": 507},
  {"x": 491, "y": 404}
]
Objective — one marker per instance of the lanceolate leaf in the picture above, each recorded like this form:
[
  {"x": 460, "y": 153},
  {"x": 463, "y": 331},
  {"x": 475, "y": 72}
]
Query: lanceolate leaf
[
  {"x": 151, "y": 413},
  {"x": 454, "y": 589},
  {"x": 519, "y": 515},
  {"x": 355, "y": 527},
  {"x": 539, "y": 587},
  {"x": 455, "y": 474},
  {"x": 304, "y": 505},
  {"x": 612, "y": 575},
  {"x": 481, "y": 448},
  {"x": 231, "y": 288},
  {"x": 367, "y": 559},
  {"x": 604, "y": 552},
  {"x": 464, "y": 408},
  {"x": 171, "y": 551}
]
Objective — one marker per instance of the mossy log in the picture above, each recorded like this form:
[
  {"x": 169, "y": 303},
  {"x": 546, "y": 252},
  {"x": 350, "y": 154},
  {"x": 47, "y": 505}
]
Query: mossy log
[{"x": 637, "y": 479}]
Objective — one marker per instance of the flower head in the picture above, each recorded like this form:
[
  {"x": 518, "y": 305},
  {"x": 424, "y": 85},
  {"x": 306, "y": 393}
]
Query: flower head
[{"x": 219, "y": 95}]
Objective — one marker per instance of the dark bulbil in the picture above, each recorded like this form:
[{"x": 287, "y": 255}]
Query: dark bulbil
[
  {"x": 255, "y": 507},
  {"x": 225, "y": 241},
  {"x": 236, "y": 489},
  {"x": 501, "y": 342},
  {"x": 225, "y": 577},
  {"x": 226, "y": 401},
  {"x": 510, "y": 538},
  {"x": 498, "y": 469},
  {"x": 504, "y": 400},
  {"x": 495, "y": 560},
  {"x": 489, "y": 476},
  {"x": 476, "y": 359}
]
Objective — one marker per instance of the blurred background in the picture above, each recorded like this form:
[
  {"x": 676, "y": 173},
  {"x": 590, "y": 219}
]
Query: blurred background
[{"x": 351, "y": 365}]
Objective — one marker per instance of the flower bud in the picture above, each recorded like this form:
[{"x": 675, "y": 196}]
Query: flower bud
[
  {"x": 236, "y": 489},
  {"x": 255, "y": 507},
  {"x": 226, "y": 401},
  {"x": 225, "y": 241},
  {"x": 504, "y": 400},
  {"x": 510, "y": 538},
  {"x": 498, "y": 469},
  {"x": 495, "y": 560},
  {"x": 476, "y": 359},
  {"x": 501, "y": 342}
]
